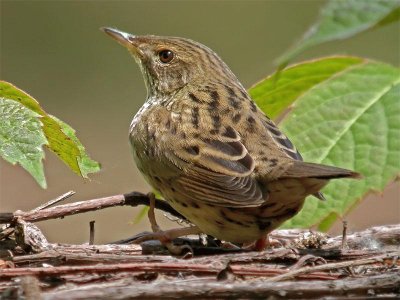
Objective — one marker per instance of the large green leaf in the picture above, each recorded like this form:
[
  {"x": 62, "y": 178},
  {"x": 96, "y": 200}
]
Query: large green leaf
[
  {"x": 60, "y": 137},
  {"x": 343, "y": 19},
  {"x": 275, "y": 94},
  {"x": 22, "y": 137},
  {"x": 350, "y": 120}
]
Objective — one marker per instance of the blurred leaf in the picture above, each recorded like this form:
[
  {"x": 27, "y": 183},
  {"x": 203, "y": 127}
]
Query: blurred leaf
[
  {"x": 275, "y": 94},
  {"x": 344, "y": 19},
  {"x": 141, "y": 214},
  {"x": 66, "y": 146},
  {"x": 145, "y": 209},
  {"x": 350, "y": 120},
  {"x": 21, "y": 138}
]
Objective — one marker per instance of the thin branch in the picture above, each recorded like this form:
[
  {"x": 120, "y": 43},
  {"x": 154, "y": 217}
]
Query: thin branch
[
  {"x": 91, "y": 234},
  {"x": 54, "y": 201},
  {"x": 344, "y": 235},
  {"x": 59, "y": 211},
  {"x": 333, "y": 266},
  {"x": 162, "y": 267}
]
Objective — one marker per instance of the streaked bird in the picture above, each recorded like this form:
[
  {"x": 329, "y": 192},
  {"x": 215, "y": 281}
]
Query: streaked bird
[{"x": 202, "y": 142}]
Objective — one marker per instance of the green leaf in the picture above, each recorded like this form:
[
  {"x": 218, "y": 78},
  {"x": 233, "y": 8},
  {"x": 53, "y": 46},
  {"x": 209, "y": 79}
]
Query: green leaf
[
  {"x": 21, "y": 138},
  {"x": 350, "y": 120},
  {"x": 275, "y": 94},
  {"x": 344, "y": 19},
  {"x": 60, "y": 137},
  {"x": 86, "y": 164}
]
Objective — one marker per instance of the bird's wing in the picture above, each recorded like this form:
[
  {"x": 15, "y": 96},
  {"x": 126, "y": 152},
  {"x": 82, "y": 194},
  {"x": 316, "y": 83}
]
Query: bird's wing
[
  {"x": 281, "y": 140},
  {"x": 217, "y": 170},
  {"x": 286, "y": 146}
]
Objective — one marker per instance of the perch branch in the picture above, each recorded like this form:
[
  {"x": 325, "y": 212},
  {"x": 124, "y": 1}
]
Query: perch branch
[{"x": 60, "y": 211}]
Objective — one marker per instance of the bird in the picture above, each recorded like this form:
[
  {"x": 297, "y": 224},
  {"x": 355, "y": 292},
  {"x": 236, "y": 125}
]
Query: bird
[{"x": 204, "y": 144}]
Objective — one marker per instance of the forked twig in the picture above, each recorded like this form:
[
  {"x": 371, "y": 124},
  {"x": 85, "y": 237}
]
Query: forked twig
[{"x": 54, "y": 201}]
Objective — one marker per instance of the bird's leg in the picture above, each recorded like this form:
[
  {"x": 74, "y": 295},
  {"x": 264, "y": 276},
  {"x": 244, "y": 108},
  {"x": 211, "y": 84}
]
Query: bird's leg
[
  {"x": 263, "y": 243},
  {"x": 166, "y": 237},
  {"x": 151, "y": 215}
]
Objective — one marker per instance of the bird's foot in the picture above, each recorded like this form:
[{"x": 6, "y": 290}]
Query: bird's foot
[
  {"x": 166, "y": 237},
  {"x": 263, "y": 243}
]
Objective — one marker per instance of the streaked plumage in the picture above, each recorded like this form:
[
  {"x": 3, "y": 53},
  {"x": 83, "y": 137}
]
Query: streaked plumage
[{"x": 203, "y": 143}]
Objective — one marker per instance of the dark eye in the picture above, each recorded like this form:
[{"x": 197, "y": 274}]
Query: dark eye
[{"x": 166, "y": 56}]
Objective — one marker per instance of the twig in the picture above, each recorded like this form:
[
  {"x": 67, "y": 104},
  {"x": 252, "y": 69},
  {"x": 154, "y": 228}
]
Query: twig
[
  {"x": 163, "y": 267},
  {"x": 332, "y": 266},
  {"x": 60, "y": 211},
  {"x": 375, "y": 238},
  {"x": 132, "y": 267},
  {"x": 206, "y": 289},
  {"x": 91, "y": 236},
  {"x": 344, "y": 235},
  {"x": 54, "y": 201},
  {"x": 6, "y": 232}
]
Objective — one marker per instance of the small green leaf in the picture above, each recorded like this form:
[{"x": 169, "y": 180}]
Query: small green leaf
[
  {"x": 350, "y": 120},
  {"x": 21, "y": 138},
  {"x": 344, "y": 19},
  {"x": 275, "y": 94},
  {"x": 60, "y": 138}
]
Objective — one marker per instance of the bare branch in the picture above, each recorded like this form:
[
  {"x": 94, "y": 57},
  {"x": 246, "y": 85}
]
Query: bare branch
[
  {"x": 131, "y": 199},
  {"x": 206, "y": 289},
  {"x": 54, "y": 201}
]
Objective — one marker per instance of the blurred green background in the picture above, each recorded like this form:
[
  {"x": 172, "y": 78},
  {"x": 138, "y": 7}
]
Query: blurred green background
[{"x": 55, "y": 51}]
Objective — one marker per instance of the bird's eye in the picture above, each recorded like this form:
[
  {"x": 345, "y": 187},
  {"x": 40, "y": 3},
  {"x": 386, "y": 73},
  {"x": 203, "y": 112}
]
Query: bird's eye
[{"x": 165, "y": 56}]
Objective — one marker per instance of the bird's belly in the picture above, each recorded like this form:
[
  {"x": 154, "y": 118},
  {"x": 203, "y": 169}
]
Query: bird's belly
[
  {"x": 237, "y": 225},
  {"x": 219, "y": 222}
]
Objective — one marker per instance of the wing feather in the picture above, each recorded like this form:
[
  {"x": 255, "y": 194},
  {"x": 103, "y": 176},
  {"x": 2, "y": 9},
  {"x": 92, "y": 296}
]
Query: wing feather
[{"x": 219, "y": 171}]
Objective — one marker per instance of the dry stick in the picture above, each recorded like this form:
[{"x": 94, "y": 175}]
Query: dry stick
[
  {"x": 60, "y": 211},
  {"x": 166, "y": 267},
  {"x": 54, "y": 201},
  {"x": 132, "y": 267},
  {"x": 91, "y": 235},
  {"x": 43, "y": 206},
  {"x": 344, "y": 235},
  {"x": 360, "y": 288},
  {"x": 128, "y": 253},
  {"x": 332, "y": 266}
]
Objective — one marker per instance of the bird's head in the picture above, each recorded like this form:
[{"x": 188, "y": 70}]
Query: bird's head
[{"x": 170, "y": 63}]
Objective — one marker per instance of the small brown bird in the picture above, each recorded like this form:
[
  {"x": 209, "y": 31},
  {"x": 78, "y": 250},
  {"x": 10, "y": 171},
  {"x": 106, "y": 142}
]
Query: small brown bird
[{"x": 202, "y": 142}]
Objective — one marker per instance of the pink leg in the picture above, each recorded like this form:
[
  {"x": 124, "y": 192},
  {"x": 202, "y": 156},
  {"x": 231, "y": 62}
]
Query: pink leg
[
  {"x": 166, "y": 237},
  {"x": 263, "y": 243}
]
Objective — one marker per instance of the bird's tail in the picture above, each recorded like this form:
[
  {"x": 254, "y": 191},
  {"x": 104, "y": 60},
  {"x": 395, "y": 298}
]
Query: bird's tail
[{"x": 301, "y": 169}]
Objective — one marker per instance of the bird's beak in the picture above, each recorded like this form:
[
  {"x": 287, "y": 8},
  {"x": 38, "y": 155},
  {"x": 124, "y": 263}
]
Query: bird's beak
[{"x": 127, "y": 40}]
